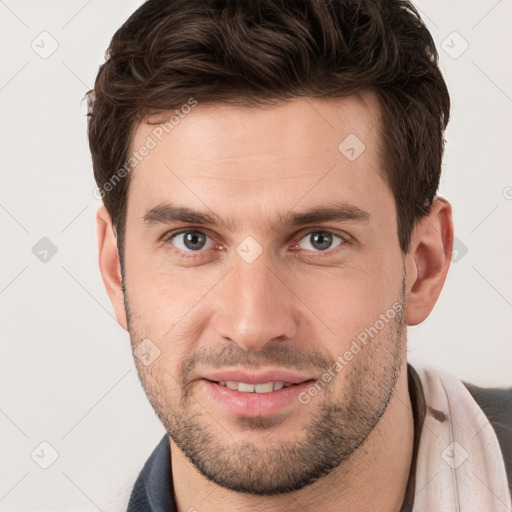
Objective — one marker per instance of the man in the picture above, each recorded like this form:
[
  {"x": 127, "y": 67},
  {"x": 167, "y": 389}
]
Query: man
[{"x": 270, "y": 227}]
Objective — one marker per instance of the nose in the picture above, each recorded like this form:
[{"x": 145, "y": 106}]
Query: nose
[{"x": 256, "y": 306}]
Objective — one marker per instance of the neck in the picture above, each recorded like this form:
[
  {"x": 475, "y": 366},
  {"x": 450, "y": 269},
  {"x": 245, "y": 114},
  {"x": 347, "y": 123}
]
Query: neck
[{"x": 374, "y": 478}]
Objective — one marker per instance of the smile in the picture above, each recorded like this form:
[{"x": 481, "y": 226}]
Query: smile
[
  {"x": 244, "y": 387},
  {"x": 258, "y": 399}
]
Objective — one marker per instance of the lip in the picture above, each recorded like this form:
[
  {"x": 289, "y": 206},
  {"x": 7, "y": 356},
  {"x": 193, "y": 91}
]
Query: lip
[
  {"x": 239, "y": 375},
  {"x": 254, "y": 404}
]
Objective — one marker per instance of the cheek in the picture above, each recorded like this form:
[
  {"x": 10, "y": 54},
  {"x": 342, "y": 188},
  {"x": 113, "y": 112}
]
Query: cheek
[
  {"x": 159, "y": 290},
  {"x": 166, "y": 304},
  {"x": 349, "y": 300}
]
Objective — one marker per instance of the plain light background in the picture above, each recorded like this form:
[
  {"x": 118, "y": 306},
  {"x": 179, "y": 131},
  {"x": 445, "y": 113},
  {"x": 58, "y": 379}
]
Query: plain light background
[{"x": 67, "y": 375}]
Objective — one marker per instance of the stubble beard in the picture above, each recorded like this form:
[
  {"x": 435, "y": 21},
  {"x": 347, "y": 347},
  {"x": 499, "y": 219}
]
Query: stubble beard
[{"x": 345, "y": 415}]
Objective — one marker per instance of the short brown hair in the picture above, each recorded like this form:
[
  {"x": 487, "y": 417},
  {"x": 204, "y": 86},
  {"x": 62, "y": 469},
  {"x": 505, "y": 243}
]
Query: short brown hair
[{"x": 252, "y": 52}]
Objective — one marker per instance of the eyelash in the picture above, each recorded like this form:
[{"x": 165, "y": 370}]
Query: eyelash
[{"x": 193, "y": 255}]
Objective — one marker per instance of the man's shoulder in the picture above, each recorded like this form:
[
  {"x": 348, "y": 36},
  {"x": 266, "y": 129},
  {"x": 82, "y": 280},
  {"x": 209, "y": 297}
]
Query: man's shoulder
[{"x": 496, "y": 403}]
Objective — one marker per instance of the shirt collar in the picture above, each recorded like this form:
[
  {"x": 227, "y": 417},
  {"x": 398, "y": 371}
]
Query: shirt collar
[{"x": 153, "y": 490}]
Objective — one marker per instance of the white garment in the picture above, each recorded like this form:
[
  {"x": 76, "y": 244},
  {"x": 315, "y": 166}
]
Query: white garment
[{"x": 459, "y": 466}]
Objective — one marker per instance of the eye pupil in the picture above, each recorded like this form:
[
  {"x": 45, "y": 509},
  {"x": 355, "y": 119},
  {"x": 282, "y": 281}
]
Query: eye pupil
[
  {"x": 194, "y": 240},
  {"x": 321, "y": 240}
]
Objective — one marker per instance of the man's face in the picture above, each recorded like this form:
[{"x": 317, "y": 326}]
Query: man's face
[{"x": 265, "y": 293}]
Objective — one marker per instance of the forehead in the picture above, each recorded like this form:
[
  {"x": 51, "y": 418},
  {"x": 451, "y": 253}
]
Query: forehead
[
  {"x": 298, "y": 126},
  {"x": 306, "y": 150}
]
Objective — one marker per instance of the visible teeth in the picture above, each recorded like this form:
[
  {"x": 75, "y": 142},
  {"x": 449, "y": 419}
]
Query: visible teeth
[
  {"x": 268, "y": 387},
  {"x": 265, "y": 387},
  {"x": 245, "y": 388}
]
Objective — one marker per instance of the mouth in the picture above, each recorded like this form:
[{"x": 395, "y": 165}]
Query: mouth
[
  {"x": 264, "y": 387},
  {"x": 251, "y": 399}
]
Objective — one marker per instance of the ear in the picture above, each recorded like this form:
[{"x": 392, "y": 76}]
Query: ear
[
  {"x": 428, "y": 261},
  {"x": 110, "y": 265}
]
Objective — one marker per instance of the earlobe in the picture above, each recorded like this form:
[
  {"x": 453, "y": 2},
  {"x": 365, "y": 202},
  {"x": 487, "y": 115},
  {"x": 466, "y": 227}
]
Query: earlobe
[
  {"x": 110, "y": 266},
  {"x": 428, "y": 261}
]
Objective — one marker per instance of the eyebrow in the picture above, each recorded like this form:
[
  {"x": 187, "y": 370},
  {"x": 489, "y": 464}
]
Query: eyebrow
[{"x": 166, "y": 213}]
